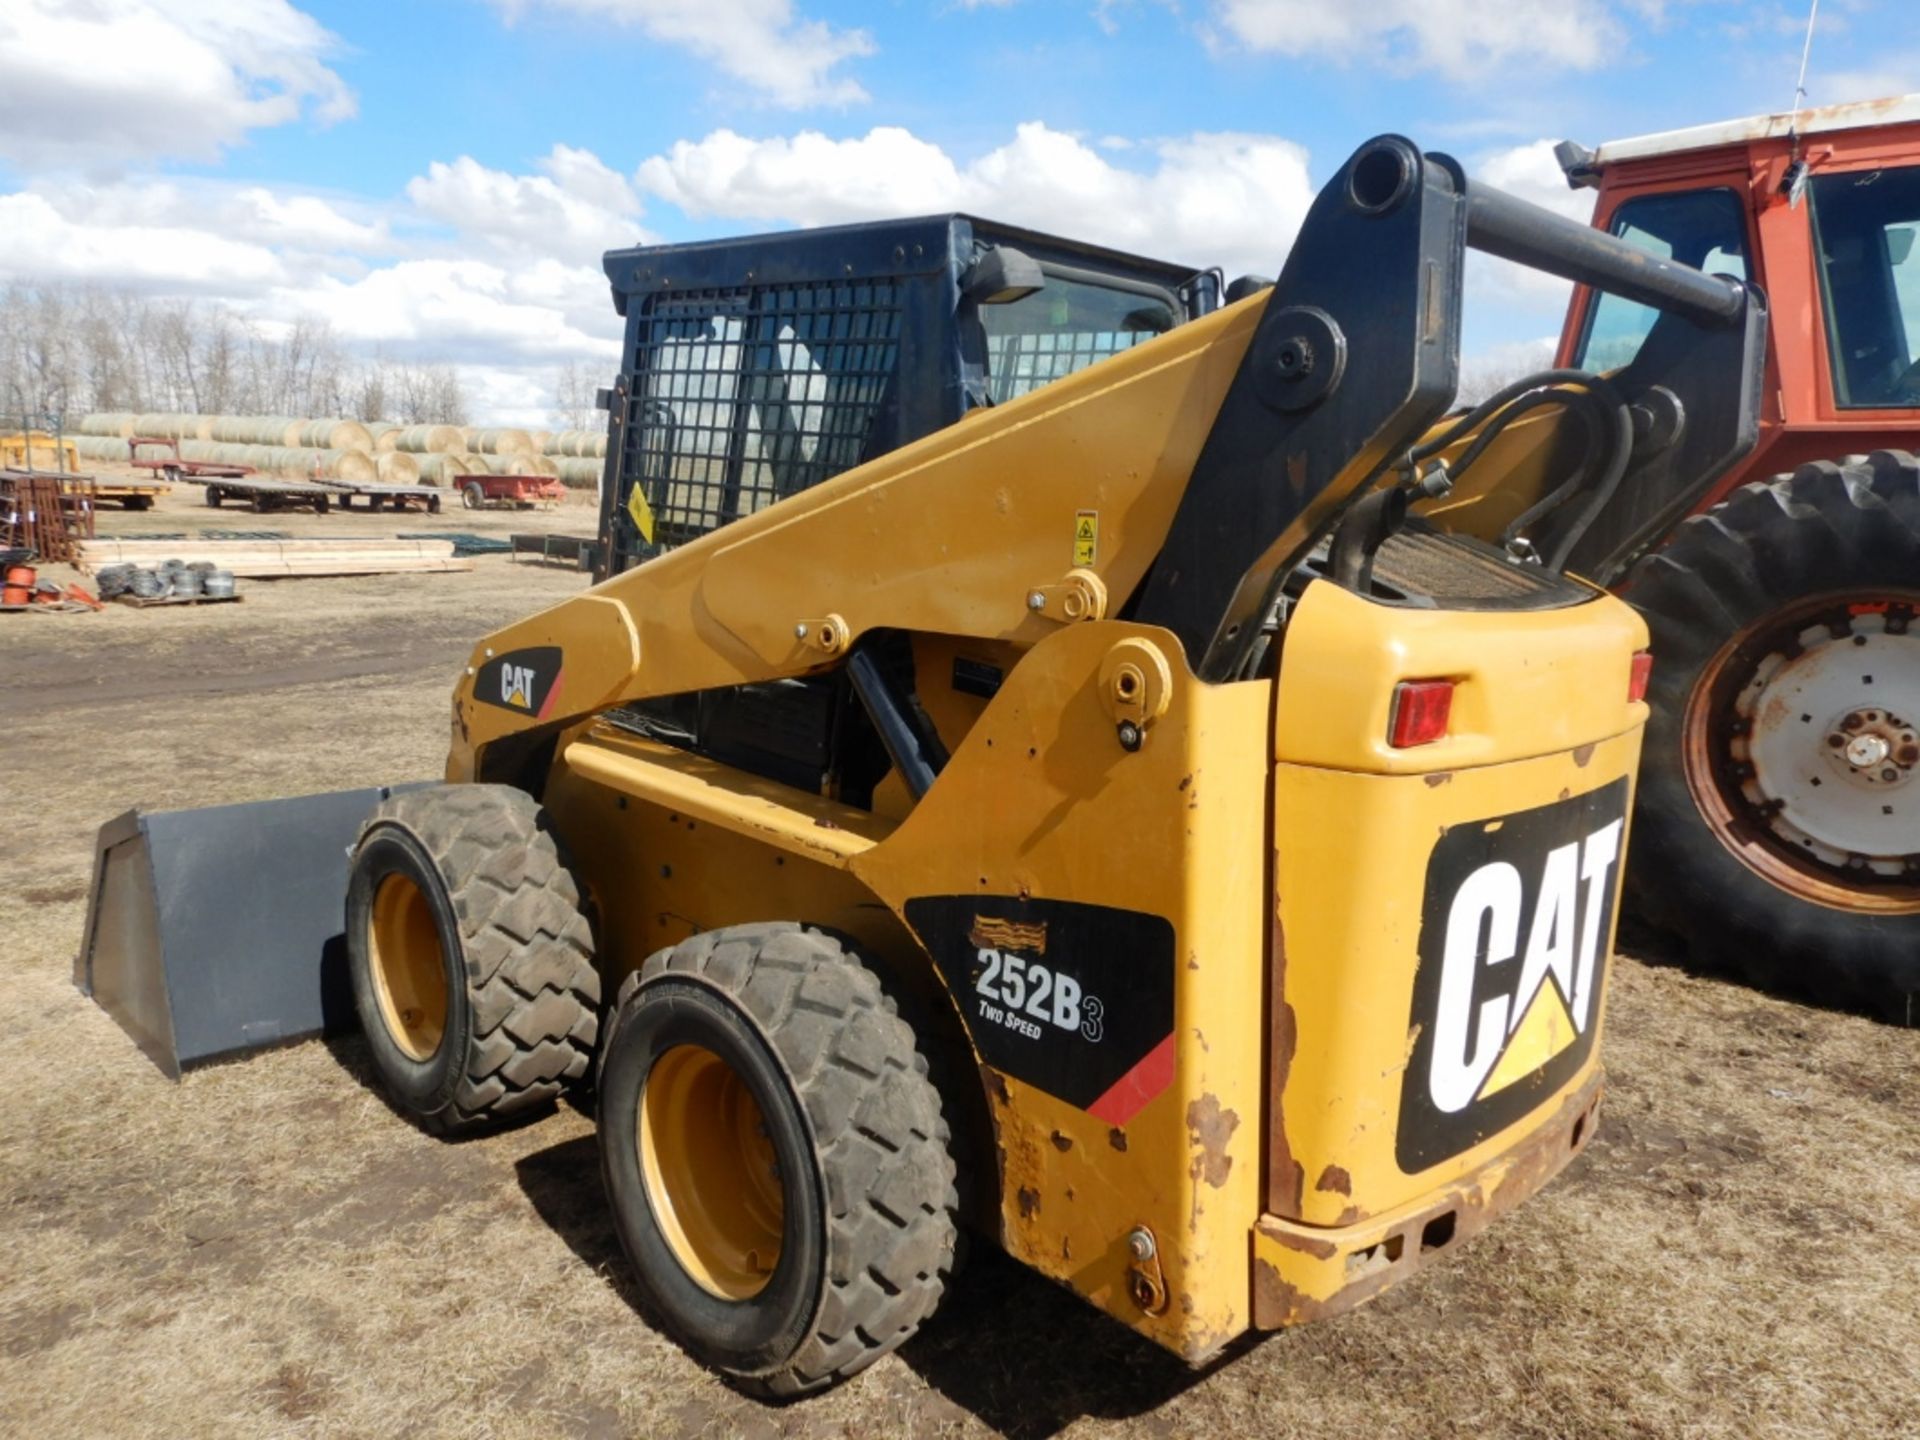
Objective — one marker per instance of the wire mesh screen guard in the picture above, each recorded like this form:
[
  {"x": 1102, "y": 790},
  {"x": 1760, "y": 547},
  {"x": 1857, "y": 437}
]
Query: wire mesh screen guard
[
  {"x": 1018, "y": 363},
  {"x": 745, "y": 396}
]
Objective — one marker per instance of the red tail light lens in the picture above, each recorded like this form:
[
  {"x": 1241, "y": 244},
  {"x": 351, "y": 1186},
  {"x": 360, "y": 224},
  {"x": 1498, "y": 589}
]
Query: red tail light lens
[
  {"x": 1420, "y": 712},
  {"x": 1638, "y": 676}
]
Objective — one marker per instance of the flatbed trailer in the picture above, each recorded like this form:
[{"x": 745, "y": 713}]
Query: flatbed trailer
[
  {"x": 262, "y": 494},
  {"x": 380, "y": 496},
  {"x": 127, "y": 494},
  {"x": 173, "y": 468}
]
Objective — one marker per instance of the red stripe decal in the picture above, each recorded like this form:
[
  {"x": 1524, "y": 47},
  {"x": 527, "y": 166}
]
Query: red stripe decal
[
  {"x": 553, "y": 694},
  {"x": 1127, "y": 1095}
]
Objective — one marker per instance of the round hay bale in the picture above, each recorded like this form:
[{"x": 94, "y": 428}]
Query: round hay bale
[
  {"x": 430, "y": 440},
  {"x": 396, "y": 467},
  {"x": 501, "y": 442},
  {"x": 579, "y": 473},
  {"x": 117, "y": 424},
  {"x": 385, "y": 433},
  {"x": 333, "y": 435}
]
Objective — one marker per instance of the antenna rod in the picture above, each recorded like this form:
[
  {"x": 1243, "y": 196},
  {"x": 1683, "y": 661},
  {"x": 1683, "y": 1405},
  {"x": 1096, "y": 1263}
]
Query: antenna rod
[{"x": 1800, "y": 86}]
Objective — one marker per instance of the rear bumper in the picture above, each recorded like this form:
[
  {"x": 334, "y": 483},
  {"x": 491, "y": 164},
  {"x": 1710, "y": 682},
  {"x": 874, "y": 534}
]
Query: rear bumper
[{"x": 1308, "y": 1272}]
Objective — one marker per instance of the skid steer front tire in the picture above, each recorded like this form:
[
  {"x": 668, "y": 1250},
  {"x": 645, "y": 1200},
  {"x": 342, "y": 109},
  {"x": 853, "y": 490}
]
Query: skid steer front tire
[
  {"x": 775, "y": 1156},
  {"x": 471, "y": 959}
]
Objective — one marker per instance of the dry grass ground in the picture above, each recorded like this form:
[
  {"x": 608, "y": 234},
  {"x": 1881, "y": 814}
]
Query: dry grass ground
[{"x": 266, "y": 1249}]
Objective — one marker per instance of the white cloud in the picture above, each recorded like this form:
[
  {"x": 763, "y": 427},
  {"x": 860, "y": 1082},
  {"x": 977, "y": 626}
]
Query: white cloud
[
  {"x": 578, "y": 208},
  {"x": 99, "y": 83},
  {"x": 454, "y": 308},
  {"x": 786, "y": 59},
  {"x": 1456, "y": 37},
  {"x": 1528, "y": 172},
  {"x": 1229, "y": 199},
  {"x": 39, "y": 243}
]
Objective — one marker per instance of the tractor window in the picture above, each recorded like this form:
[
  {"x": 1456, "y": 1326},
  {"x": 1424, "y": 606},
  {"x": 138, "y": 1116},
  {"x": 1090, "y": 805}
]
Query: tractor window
[
  {"x": 1064, "y": 327},
  {"x": 1866, "y": 223},
  {"x": 1701, "y": 228}
]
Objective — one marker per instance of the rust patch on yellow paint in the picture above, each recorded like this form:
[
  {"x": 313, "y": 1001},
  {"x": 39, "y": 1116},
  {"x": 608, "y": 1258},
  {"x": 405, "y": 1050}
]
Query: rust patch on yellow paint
[
  {"x": 1029, "y": 1203},
  {"x": 1062, "y": 1143},
  {"x": 1211, "y": 1127},
  {"x": 1437, "y": 779},
  {"x": 996, "y": 1084},
  {"x": 1582, "y": 754},
  {"x": 1273, "y": 1297},
  {"x": 1117, "y": 1138},
  {"x": 1334, "y": 1180},
  {"x": 1286, "y": 1177}
]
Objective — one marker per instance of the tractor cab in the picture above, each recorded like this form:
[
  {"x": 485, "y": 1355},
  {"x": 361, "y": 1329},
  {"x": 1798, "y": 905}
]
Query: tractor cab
[{"x": 1818, "y": 208}]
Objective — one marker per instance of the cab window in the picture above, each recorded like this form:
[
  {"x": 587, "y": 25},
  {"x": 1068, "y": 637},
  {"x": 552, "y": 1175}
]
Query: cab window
[
  {"x": 1866, "y": 223},
  {"x": 1065, "y": 327},
  {"x": 1702, "y": 228}
]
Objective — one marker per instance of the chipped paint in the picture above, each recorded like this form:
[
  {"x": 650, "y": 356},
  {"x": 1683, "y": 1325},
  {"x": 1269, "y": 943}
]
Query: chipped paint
[
  {"x": 1437, "y": 779},
  {"x": 1211, "y": 1128},
  {"x": 1029, "y": 1202},
  {"x": 1334, "y": 1180},
  {"x": 1117, "y": 1138},
  {"x": 1063, "y": 1143},
  {"x": 1582, "y": 754}
]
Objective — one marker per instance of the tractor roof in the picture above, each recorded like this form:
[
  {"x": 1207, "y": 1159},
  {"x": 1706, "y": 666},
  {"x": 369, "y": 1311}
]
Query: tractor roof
[{"x": 1857, "y": 115}]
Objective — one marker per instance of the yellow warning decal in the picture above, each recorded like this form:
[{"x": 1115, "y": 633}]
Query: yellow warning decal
[
  {"x": 1086, "y": 536},
  {"x": 641, "y": 512}
]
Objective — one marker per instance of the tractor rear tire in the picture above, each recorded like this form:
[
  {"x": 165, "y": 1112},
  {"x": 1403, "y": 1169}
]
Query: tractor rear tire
[
  {"x": 1756, "y": 841},
  {"x": 821, "y": 1234},
  {"x": 471, "y": 957}
]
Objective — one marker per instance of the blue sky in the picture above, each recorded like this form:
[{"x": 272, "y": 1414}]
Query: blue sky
[{"x": 436, "y": 178}]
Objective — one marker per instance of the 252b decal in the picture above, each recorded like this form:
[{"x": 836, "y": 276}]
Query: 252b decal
[
  {"x": 1024, "y": 994},
  {"x": 1073, "y": 999},
  {"x": 1513, "y": 939}
]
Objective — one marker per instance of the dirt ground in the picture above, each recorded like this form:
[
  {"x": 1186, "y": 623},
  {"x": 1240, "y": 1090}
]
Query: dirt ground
[{"x": 266, "y": 1249}]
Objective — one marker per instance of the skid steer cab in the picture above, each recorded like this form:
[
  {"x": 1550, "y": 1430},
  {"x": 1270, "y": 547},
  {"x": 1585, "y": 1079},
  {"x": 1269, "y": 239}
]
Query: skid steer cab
[{"x": 1108, "y": 822}]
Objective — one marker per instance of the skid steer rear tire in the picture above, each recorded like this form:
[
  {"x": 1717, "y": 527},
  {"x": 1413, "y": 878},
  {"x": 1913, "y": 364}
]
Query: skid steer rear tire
[
  {"x": 1701, "y": 865},
  {"x": 471, "y": 959},
  {"x": 798, "y": 1044}
]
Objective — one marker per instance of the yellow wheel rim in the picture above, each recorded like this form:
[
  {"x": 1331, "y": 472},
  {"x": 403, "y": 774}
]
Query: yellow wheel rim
[
  {"x": 409, "y": 973},
  {"x": 711, "y": 1174}
]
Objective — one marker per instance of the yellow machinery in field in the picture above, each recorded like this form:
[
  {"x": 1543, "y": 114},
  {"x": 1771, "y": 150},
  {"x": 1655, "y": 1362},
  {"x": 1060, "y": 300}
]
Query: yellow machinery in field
[{"x": 1107, "y": 822}]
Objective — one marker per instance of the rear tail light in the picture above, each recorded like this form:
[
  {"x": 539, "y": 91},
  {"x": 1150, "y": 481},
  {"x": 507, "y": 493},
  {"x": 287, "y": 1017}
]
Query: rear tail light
[
  {"x": 1638, "y": 676},
  {"x": 1420, "y": 712}
]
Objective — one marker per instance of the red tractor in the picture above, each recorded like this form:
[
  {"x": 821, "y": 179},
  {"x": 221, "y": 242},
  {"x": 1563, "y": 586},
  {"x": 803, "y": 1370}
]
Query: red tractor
[{"x": 1778, "y": 831}]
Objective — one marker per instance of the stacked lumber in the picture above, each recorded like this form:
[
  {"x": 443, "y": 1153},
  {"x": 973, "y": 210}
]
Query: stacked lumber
[{"x": 260, "y": 559}]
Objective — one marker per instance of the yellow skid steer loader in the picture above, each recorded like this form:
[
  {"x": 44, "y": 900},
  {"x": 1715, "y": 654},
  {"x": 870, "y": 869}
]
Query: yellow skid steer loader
[{"x": 1113, "y": 822}]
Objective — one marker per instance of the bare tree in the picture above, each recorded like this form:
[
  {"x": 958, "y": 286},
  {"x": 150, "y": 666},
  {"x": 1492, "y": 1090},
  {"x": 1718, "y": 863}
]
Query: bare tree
[
  {"x": 574, "y": 385},
  {"x": 70, "y": 349}
]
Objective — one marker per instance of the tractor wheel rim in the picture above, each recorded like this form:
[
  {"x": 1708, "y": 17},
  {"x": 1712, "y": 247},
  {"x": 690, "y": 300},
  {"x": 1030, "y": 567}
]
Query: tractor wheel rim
[
  {"x": 712, "y": 1177},
  {"x": 1803, "y": 750},
  {"x": 409, "y": 971}
]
